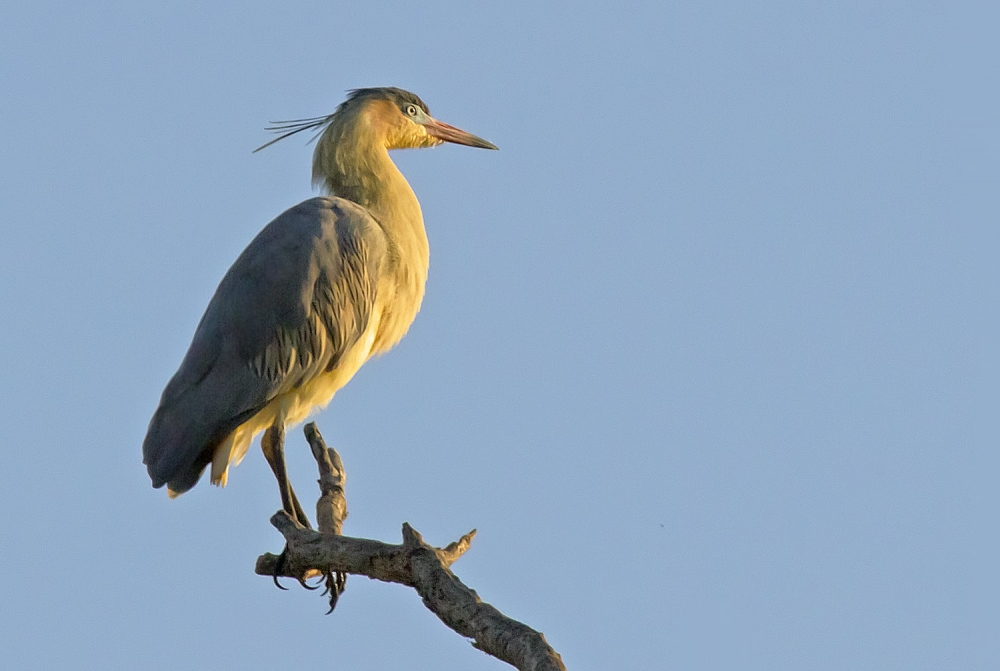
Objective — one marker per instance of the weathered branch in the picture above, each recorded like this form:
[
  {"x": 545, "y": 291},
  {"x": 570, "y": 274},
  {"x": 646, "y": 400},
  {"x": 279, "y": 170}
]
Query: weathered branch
[
  {"x": 413, "y": 563},
  {"x": 331, "y": 509}
]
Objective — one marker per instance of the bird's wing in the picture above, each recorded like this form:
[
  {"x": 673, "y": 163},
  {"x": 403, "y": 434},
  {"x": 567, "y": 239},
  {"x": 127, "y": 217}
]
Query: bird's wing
[{"x": 298, "y": 297}]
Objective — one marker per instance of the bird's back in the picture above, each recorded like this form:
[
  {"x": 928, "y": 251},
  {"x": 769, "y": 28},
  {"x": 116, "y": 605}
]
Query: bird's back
[{"x": 302, "y": 296}]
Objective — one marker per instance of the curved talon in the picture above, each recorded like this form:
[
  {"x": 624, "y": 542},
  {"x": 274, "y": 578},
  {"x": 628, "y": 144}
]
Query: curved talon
[
  {"x": 329, "y": 582},
  {"x": 336, "y": 583},
  {"x": 279, "y": 566},
  {"x": 334, "y": 600},
  {"x": 302, "y": 581}
]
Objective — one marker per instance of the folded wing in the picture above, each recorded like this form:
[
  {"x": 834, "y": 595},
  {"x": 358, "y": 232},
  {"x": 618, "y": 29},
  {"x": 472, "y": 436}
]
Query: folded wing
[{"x": 294, "y": 302}]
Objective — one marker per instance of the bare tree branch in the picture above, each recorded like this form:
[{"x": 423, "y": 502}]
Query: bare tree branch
[
  {"x": 331, "y": 509},
  {"x": 413, "y": 563}
]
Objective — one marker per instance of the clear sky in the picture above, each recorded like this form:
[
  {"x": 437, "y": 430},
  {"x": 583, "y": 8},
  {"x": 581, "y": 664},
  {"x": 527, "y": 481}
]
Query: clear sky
[{"x": 708, "y": 353}]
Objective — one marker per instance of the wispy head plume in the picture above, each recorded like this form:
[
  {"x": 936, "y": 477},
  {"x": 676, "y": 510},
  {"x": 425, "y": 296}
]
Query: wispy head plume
[{"x": 289, "y": 128}]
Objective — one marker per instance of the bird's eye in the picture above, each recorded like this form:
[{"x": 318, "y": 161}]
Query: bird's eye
[{"x": 411, "y": 110}]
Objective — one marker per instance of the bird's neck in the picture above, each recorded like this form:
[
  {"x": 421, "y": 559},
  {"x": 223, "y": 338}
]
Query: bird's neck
[{"x": 351, "y": 162}]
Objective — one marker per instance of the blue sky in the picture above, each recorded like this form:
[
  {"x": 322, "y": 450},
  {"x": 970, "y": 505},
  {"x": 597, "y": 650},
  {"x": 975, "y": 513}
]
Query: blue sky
[{"x": 708, "y": 353}]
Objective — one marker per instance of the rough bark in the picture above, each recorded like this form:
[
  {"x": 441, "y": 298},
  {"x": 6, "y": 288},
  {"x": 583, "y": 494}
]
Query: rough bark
[{"x": 413, "y": 563}]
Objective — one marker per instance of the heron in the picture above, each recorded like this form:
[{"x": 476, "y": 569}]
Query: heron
[{"x": 328, "y": 284}]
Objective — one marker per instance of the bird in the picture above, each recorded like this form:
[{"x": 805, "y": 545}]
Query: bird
[{"x": 327, "y": 285}]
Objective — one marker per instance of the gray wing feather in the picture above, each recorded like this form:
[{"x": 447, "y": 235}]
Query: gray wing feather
[{"x": 291, "y": 305}]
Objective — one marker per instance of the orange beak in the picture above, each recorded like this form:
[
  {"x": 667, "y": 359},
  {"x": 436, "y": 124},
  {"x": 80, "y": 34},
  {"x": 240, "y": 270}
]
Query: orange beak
[{"x": 449, "y": 133}]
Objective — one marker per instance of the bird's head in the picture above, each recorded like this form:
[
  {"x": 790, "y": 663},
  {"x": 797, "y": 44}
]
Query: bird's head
[
  {"x": 405, "y": 122},
  {"x": 391, "y": 117}
]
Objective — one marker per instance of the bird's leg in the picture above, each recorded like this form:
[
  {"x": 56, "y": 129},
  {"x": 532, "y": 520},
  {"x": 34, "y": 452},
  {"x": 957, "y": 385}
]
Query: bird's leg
[{"x": 273, "y": 446}]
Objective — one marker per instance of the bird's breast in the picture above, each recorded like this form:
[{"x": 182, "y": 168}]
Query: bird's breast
[{"x": 294, "y": 405}]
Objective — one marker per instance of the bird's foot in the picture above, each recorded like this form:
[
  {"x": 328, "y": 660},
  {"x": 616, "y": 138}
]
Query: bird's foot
[
  {"x": 336, "y": 583},
  {"x": 279, "y": 569}
]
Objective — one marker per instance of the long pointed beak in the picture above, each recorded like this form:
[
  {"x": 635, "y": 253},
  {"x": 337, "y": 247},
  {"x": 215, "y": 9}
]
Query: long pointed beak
[{"x": 449, "y": 133}]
